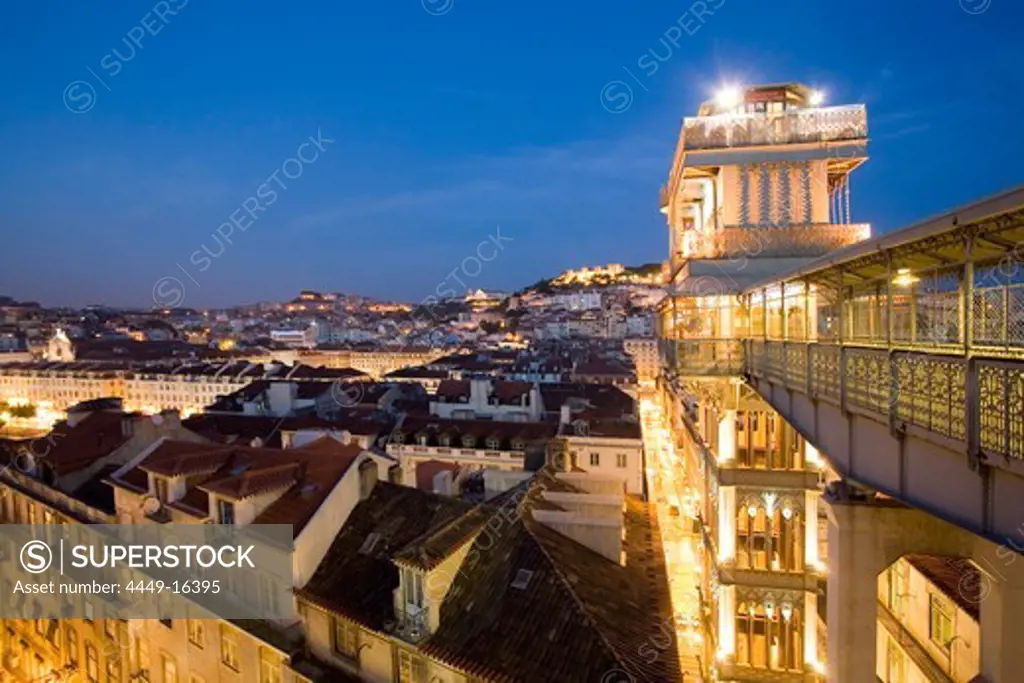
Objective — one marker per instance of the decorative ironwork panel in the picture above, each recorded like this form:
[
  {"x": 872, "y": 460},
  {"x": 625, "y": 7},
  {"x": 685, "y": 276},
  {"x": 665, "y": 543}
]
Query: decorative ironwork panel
[
  {"x": 764, "y": 194},
  {"x": 1001, "y": 391},
  {"x": 774, "y": 367},
  {"x": 785, "y": 194},
  {"x": 868, "y": 379},
  {"x": 796, "y": 366},
  {"x": 825, "y": 381},
  {"x": 796, "y": 125},
  {"x": 805, "y": 182},
  {"x": 737, "y": 241},
  {"x": 931, "y": 392}
]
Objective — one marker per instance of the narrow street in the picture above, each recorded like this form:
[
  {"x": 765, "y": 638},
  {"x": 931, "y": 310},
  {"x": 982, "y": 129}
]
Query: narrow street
[{"x": 666, "y": 484}]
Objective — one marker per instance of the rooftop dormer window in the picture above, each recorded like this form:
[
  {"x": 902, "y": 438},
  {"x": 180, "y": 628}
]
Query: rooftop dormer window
[
  {"x": 468, "y": 441},
  {"x": 445, "y": 440},
  {"x": 518, "y": 445},
  {"x": 225, "y": 512},
  {"x": 493, "y": 443}
]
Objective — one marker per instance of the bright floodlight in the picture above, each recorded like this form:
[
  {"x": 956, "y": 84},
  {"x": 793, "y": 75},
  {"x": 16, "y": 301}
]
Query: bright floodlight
[
  {"x": 817, "y": 98},
  {"x": 728, "y": 96}
]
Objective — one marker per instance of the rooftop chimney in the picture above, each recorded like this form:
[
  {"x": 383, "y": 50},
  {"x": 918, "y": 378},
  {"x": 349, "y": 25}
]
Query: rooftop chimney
[{"x": 594, "y": 519}]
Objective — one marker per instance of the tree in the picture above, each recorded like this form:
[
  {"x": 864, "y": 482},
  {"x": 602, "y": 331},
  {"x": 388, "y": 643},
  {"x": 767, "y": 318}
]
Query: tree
[{"x": 26, "y": 412}]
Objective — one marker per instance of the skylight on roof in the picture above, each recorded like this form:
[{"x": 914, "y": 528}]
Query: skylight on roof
[
  {"x": 370, "y": 543},
  {"x": 522, "y": 579}
]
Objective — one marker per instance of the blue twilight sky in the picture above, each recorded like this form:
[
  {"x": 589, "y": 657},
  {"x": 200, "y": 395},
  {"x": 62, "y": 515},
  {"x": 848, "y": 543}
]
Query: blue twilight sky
[{"x": 449, "y": 118}]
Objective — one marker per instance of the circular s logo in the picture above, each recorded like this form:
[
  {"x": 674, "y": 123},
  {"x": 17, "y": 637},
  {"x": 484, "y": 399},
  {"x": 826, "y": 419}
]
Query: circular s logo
[{"x": 36, "y": 557}]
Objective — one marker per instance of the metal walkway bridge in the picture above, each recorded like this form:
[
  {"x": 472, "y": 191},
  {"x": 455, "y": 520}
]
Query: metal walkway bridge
[{"x": 901, "y": 358}]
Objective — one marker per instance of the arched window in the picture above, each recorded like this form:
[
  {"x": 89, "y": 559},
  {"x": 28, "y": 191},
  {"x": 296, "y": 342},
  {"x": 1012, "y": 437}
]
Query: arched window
[
  {"x": 751, "y": 537},
  {"x": 771, "y": 543},
  {"x": 769, "y": 636}
]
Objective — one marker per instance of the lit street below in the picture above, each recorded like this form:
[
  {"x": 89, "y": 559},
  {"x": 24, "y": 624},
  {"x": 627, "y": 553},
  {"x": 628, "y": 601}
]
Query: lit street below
[{"x": 667, "y": 490}]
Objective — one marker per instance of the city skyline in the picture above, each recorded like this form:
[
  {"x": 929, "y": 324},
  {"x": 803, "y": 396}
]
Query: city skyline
[{"x": 432, "y": 154}]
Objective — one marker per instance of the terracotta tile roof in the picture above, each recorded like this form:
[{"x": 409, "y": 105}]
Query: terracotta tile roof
[
  {"x": 253, "y": 481},
  {"x": 71, "y": 449},
  {"x": 453, "y": 388},
  {"x": 510, "y": 391},
  {"x": 324, "y": 464},
  {"x": 178, "y": 458},
  {"x": 956, "y": 577},
  {"x": 429, "y": 550},
  {"x": 602, "y": 398},
  {"x": 240, "y": 429},
  {"x": 243, "y": 429},
  {"x": 306, "y": 475}
]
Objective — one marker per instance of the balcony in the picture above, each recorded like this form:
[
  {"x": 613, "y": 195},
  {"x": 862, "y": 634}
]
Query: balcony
[
  {"x": 781, "y": 241},
  {"x": 704, "y": 357},
  {"x": 826, "y": 124}
]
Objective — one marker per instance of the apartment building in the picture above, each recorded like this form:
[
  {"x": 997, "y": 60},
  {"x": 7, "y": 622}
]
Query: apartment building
[
  {"x": 475, "y": 398},
  {"x": 185, "y": 386},
  {"x": 59, "y": 479},
  {"x": 471, "y": 445},
  {"x": 374, "y": 361},
  {"x": 312, "y": 488},
  {"x": 610, "y": 447},
  {"x": 928, "y": 627}
]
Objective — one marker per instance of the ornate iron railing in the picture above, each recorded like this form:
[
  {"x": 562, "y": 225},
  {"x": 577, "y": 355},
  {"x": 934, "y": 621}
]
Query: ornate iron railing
[
  {"x": 925, "y": 390},
  {"x": 825, "y": 378},
  {"x": 1001, "y": 409},
  {"x": 930, "y": 391},
  {"x": 738, "y": 241},
  {"x": 823, "y": 124}
]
